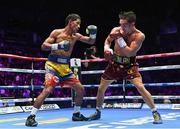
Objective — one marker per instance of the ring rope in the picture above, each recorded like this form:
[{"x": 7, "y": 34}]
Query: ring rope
[
  {"x": 21, "y": 70},
  {"x": 166, "y": 67},
  {"x": 139, "y": 57},
  {"x": 146, "y": 84},
  {"x": 90, "y": 98},
  {"x": 23, "y": 57},
  {"x": 92, "y": 60},
  {"x": 95, "y": 85}
]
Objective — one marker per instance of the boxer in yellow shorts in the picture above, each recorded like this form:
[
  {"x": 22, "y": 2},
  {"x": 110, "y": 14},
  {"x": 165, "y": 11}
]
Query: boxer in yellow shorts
[
  {"x": 61, "y": 43},
  {"x": 59, "y": 74}
]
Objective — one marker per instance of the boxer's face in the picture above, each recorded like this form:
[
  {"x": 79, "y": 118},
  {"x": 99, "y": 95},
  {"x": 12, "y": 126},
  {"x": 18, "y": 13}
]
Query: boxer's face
[
  {"x": 126, "y": 26},
  {"x": 75, "y": 25}
]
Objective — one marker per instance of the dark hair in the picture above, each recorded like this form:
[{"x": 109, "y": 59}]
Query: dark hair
[
  {"x": 72, "y": 17},
  {"x": 130, "y": 16}
]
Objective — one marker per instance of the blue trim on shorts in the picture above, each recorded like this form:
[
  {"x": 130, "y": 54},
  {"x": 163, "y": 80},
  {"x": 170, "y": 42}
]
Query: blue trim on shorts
[
  {"x": 59, "y": 59},
  {"x": 60, "y": 77}
]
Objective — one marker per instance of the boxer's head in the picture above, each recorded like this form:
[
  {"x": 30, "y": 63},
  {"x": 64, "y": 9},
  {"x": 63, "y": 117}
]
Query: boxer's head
[
  {"x": 74, "y": 21},
  {"x": 127, "y": 21}
]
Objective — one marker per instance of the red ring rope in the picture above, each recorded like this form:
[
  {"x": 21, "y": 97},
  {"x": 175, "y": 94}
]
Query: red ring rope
[{"x": 92, "y": 60}]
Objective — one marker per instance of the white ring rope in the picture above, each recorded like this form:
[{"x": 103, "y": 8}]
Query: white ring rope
[
  {"x": 90, "y": 98},
  {"x": 95, "y": 85},
  {"x": 32, "y": 71},
  {"x": 145, "y": 84},
  {"x": 166, "y": 67},
  {"x": 21, "y": 70}
]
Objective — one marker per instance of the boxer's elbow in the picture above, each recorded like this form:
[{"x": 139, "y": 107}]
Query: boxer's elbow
[{"x": 43, "y": 47}]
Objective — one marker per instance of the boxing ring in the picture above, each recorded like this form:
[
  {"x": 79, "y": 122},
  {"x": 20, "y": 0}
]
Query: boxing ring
[{"x": 116, "y": 108}]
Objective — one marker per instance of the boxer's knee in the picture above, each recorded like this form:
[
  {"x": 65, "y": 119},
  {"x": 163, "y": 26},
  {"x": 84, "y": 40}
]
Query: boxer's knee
[
  {"x": 103, "y": 85},
  {"x": 79, "y": 89},
  {"x": 102, "y": 89},
  {"x": 49, "y": 90},
  {"x": 140, "y": 87},
  {"x": 46, "y": 91}
]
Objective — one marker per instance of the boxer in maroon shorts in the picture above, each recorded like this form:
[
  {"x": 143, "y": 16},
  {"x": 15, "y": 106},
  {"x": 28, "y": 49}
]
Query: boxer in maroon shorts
[{"x": 122, "y": 62}]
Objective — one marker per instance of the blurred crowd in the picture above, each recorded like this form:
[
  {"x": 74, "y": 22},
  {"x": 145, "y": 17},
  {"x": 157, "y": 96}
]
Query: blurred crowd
[{"x": 20, "y": 79}]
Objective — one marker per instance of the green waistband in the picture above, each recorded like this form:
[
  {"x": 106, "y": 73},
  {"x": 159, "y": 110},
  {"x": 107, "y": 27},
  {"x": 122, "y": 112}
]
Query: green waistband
[{"x": 123, "y": 59}]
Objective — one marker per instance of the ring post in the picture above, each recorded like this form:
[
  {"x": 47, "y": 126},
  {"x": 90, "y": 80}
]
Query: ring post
[
  {"x": 32, "y": 81},
  {"x": 124, "y": 91},
  {"x": 75, "y": 65}
]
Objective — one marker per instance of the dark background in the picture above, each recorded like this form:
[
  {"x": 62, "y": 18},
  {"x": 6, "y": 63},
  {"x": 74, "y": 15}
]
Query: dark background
[
  {"x": 25, "y": 24},
  {"x": 30, "y": 22}
]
